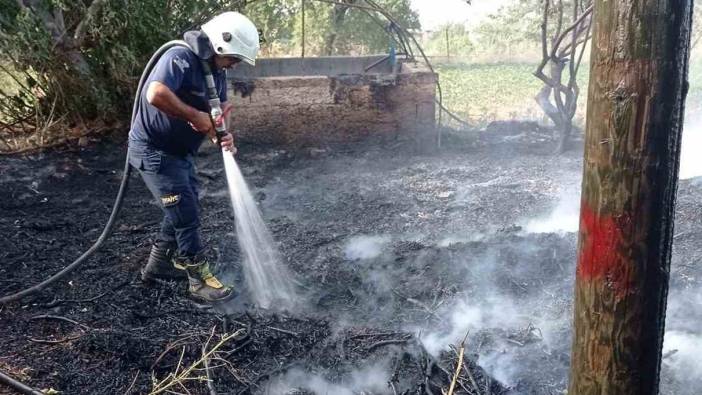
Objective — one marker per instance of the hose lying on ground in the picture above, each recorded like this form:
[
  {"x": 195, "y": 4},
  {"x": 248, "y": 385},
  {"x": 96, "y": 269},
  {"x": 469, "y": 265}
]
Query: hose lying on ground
[
  {"x": 18, "y": 386},
  {"x": 120, "y": 194}
]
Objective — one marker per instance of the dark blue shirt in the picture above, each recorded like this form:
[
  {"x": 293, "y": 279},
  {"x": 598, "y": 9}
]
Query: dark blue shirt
[{"x": 180, "y": 70}]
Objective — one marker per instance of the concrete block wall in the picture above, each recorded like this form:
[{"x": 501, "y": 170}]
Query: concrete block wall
[{"x": 327, "y": 107}]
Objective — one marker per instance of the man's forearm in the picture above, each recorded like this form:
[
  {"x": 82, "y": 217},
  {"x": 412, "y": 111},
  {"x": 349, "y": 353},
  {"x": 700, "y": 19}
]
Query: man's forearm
[{"x": 161, "y": 97}]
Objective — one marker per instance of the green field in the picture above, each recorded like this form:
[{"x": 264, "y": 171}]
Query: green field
[{"x": 482, "y": 93}]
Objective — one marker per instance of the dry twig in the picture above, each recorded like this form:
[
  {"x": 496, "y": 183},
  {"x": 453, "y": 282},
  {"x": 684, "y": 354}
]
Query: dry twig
[
  {"x": 470, "y": 377},
  {"x": 387, "y": 342},
  {"x": 60, "y": 318},
  {"x": 129, "y": 389},
  {"x": 83, "y": 328},
  {"x": 459, "y": 365},
  {"x": 210, "y": 383},
  {"x": 176, "y": 378},
  {"x": 291, "y": 333},
  {"x": 57, "y": 302}
]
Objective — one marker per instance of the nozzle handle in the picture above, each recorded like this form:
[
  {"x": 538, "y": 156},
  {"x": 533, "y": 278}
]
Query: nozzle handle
[{"x": 217, "y": 117}]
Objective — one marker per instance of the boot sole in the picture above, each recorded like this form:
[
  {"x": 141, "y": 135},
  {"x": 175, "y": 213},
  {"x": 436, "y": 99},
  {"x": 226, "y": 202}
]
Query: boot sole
[
  {"x": 151, "y": 278},
  {"x": 200, "y": 299}
]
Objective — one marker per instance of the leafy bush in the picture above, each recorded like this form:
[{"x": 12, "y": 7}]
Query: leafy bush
[{"x": 80, "y": 61}]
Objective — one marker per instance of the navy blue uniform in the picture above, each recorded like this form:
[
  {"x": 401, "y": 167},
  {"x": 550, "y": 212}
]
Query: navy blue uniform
[{"x": 162, "y": 147}]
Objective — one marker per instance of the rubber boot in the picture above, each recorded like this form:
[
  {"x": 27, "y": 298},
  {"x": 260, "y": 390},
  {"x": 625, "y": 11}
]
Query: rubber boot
[
  {"x": 160, "y": 265},
  {"x": 204, "y": 286}
]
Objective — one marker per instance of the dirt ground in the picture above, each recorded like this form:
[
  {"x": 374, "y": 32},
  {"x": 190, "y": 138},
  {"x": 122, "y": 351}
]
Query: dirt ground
[{"x": 399, "y": 255}]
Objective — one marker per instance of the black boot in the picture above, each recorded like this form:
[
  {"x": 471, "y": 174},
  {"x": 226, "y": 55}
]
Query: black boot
[
  {"x": 160, "y": 265},
  {"x": 204, "y": 286}
]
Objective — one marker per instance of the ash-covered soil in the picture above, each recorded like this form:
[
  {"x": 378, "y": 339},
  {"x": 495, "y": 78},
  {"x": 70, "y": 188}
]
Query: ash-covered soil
[{"x": 399, "y": 255}]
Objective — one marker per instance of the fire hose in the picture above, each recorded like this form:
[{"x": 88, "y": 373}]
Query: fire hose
[{"x": 220, "y": 129}]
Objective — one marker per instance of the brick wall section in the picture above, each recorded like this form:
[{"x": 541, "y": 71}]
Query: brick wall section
[{"x": 307, "y": 111}]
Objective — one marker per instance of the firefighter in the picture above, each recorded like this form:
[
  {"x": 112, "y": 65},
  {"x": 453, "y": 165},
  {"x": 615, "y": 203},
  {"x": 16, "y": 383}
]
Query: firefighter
[{"x": 172, "y": 121}]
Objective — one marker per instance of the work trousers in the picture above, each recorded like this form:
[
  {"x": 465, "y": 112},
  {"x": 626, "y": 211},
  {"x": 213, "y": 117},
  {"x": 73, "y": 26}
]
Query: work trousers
[{"x": 171, "y": 180}]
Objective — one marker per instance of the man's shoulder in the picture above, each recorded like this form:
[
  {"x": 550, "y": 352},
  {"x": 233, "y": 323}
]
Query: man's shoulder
[{"x": 182, "y": 57}]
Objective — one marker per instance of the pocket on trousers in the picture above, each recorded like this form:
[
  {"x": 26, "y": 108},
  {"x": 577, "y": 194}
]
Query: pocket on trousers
[{"x": 151, "y": 162}]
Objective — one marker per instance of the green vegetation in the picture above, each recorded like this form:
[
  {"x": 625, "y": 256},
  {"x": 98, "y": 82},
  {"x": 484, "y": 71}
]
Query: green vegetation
[
  {"x": 82, "y": 58},
  {"x": 453, "y": 34},
  {"x": 482, "y": 93},
  {"x": 329, "y": 29}
]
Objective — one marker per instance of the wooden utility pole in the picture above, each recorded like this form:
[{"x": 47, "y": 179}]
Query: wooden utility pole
[{"x": 638, "y": 83}]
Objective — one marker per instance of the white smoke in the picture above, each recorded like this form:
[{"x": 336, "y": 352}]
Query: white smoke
[
  {"x": 464, "y": 317},
  {"x": 365, "y": 247},
  {"x": 564, "y": 218},
  {"x": 684, "y": 354},
  {"x": 682, "y": 346},
  {"x": 507, "y": 361},
  {"x": 485, "y": 310},
  {"x": 455, "y": 239},
  {"x": 372, "y": 379}
]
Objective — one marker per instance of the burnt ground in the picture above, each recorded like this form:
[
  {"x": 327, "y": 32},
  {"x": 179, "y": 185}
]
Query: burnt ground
[{"x": 398, "y": 254}]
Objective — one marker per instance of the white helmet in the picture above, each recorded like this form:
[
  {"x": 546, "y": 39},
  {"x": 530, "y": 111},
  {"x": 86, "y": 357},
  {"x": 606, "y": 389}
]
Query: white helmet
[{"x": 233, "y": 34}]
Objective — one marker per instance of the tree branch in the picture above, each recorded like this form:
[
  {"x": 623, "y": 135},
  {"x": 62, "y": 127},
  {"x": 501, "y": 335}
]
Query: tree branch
[
  {"x": 544, "y": 43},
  {"x": 559, "y": 25},
  {"x": 90, "y": 14},
  {"x": 575, "y": 24},
  {"x": 574, "y": 39}
]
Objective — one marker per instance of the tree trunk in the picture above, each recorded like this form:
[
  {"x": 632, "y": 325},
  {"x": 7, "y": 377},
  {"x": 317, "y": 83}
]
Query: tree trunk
[
  {"x": 634, "y": 123},
  {"x": 543, "y": 99},
  {"x": 564, "y": 137},
  {"x": 338, "y": 15},
  {"x": 561, "y": 117}
]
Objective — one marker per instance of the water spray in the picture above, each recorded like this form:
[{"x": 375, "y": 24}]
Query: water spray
[{"x": 268, "y": 280}]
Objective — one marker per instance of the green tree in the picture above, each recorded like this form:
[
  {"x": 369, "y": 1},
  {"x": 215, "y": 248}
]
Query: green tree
[
  {"x": 333, "y": 30},
  {"x": 511, "y": 28},
  {"x": 276, "y": 19},
  {"x": 458, "y": 42},
  {"x": 368, "y": 35}
]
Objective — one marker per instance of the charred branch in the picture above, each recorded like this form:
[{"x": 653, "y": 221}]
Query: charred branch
[{"x": 558, "y": 98}]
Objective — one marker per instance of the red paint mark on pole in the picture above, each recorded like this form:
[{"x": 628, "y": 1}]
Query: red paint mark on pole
[{"x": 602, "y": 254}]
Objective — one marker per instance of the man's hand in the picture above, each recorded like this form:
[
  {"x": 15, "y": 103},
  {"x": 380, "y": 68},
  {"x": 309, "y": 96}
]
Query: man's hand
[
  {"x": 227, "y": 142},
  {"x": 202, "y": 123},
  {"x": 161, "y": 97},
  {"x": 226, "y": 108}
]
